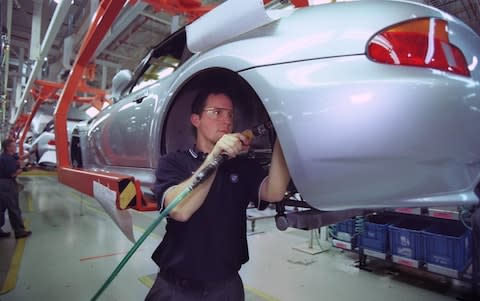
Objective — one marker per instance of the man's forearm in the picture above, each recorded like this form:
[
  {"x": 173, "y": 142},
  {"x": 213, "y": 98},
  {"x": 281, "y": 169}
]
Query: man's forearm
[
  {"x": 194, "y": 200},
  {"x": 278, "y": 177}
]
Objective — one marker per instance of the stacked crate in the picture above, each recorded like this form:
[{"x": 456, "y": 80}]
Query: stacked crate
[
  {"x": 374, "y": 238},
  {"x": 437, "y": 245},
  {"x": 448, "y": 248},
  {"x": 345, "y": 234},
  {"x": 407, "y": 241}
]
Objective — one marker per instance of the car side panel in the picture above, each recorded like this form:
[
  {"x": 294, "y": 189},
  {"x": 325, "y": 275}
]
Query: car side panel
[
  {"x": 126, "y": 134},
  {"x": 360, "y": 134}
]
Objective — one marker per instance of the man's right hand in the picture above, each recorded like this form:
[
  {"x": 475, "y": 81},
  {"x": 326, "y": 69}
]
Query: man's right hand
[{"x": 231, "y": 145}]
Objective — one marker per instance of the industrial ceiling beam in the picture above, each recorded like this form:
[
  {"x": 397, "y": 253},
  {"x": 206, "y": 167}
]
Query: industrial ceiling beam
[
  {"x": 107, "y": 64},
  {"x": 155, "y": 18},
  {"x": 53, "y": 28},
  {"x": 106, "y": 14},
  {"x": 7, "y": 55},
  {"x": 127, "y": 17},
  {"x": 118, "y": 55},
  {"x": 36, "y": 30},
  {"x": 17, "y": 83}
]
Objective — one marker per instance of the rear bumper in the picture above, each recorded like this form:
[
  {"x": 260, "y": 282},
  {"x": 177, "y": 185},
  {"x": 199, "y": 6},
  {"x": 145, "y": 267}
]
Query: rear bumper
[{"x": 358, "y": 134}]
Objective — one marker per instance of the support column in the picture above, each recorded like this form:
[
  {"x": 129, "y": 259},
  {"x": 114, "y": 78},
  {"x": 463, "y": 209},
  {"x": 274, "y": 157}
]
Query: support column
[
  {"x": 13, "y": 95},
  {"x": 175, "y": 25},
  {"x": 53, "y": 28},
  {"x": 19, "y": 82},
  {"x": 105, "y": 65},
  {"x": 6, "y": 60},
  {"x": 35, "y": 37},
  {"x": 104, "y": 77},
  {"x": 476, "y": 252}
]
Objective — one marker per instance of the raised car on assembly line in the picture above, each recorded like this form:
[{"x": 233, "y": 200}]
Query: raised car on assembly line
[{"x": 376, "y": 103}]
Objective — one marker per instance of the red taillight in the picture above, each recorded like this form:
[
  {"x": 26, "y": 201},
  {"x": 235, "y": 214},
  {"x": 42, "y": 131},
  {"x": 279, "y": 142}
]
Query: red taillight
[
  {"x": 51, "y": 142},
  {"x": 421, "y": 43}
]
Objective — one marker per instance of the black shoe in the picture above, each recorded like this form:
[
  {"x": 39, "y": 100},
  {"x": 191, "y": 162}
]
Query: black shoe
[
  {"x": 4, "y": 234},
  {"x": 23, "y": 234}
]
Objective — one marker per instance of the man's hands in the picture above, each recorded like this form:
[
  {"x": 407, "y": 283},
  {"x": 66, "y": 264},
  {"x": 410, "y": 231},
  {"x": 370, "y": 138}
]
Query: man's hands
[
  {"x": 231, "y": 145},
  {"x": 27, "y": 166},
  {"x": 23, "y": 165}
]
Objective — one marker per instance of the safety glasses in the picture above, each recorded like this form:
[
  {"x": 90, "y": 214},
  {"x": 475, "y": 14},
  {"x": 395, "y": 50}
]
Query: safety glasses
[{"x": 219, "y": 113}]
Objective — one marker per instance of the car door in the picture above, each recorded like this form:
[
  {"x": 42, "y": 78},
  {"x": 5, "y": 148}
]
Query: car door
[{"x": 124, "y": 135}]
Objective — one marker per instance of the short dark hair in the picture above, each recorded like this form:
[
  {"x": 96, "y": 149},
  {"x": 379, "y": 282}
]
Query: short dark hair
[
  {"x": 200, "y": 100},
  {"x": 6, "y": 143}
]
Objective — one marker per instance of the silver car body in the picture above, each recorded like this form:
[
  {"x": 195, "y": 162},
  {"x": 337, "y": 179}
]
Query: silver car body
[
  {"x": 44, "y": 145},
  {"x": 355, "y": 133}
]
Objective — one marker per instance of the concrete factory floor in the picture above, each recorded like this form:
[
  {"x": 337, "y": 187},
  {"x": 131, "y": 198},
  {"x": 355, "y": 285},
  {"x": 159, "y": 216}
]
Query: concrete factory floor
[{"x": 75, "y": 246}]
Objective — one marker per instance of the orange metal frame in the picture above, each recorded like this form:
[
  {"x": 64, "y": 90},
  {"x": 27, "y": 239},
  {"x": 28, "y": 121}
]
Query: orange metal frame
[
  {"x": 192, "y": 9},
  {"x": 79, "y": 179},
  {"x": 107, "y": 12},
  {"x": 26, "y": 127},
  {"x": 17, "y": 127},
  {"x": 45, "y": 91}
]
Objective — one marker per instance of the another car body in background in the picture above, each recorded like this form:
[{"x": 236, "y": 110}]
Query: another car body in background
[{"x": 44, "y": 145}]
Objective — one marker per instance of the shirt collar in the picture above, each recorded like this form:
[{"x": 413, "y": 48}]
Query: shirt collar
[{"x": 195, "y": 153}]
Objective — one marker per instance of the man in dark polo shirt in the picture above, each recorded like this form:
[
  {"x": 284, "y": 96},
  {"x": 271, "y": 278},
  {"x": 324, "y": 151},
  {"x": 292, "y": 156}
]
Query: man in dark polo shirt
[
  {"x": 205, "y": 244},
  {"x": 9, "y": 170}
]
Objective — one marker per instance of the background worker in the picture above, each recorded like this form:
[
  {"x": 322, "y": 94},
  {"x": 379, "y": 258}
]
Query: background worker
[
  {"x": 205, "y": 243},
  {"x": 10, "y": 168}
]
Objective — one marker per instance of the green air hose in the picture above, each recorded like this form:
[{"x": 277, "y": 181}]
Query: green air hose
[
  {"x": 204, "y": 174},
  {"x": 142, "y": 238},
  {"x": 201, "y": 176}
]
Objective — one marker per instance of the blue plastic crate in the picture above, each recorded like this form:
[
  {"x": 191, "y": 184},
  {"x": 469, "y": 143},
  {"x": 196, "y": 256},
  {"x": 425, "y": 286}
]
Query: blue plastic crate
[
  {"x": 347, "y": 226},
  {"x": 346, "y": 231},
  {"x": 448, "y": 245},
  {"x": 407, "y": 240},
  {"x": 375, "y": 232}
]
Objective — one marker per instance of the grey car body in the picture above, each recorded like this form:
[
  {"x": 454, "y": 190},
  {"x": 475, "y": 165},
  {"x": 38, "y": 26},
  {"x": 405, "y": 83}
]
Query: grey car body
[
  {"x": 355, "y": 133},
  {"x": 44, "y": 144}
]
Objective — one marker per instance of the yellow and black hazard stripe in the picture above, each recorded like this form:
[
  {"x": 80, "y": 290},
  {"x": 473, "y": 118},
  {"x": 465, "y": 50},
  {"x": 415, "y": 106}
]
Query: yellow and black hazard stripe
[{"x": 127, "y": 194}]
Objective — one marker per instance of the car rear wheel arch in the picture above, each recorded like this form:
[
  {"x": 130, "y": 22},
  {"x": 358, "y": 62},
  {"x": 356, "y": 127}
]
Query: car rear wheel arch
[{"x": 176, "y": 131}]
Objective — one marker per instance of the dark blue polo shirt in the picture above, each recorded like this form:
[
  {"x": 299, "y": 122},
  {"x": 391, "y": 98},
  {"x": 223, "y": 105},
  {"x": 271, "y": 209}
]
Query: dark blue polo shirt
[
  {"x": 212, "y": 244},
  {"x": 8, "y": 166}
]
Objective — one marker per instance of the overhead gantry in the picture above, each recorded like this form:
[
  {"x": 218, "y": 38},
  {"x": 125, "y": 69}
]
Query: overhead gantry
[{"x": 47, "y": 91}]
